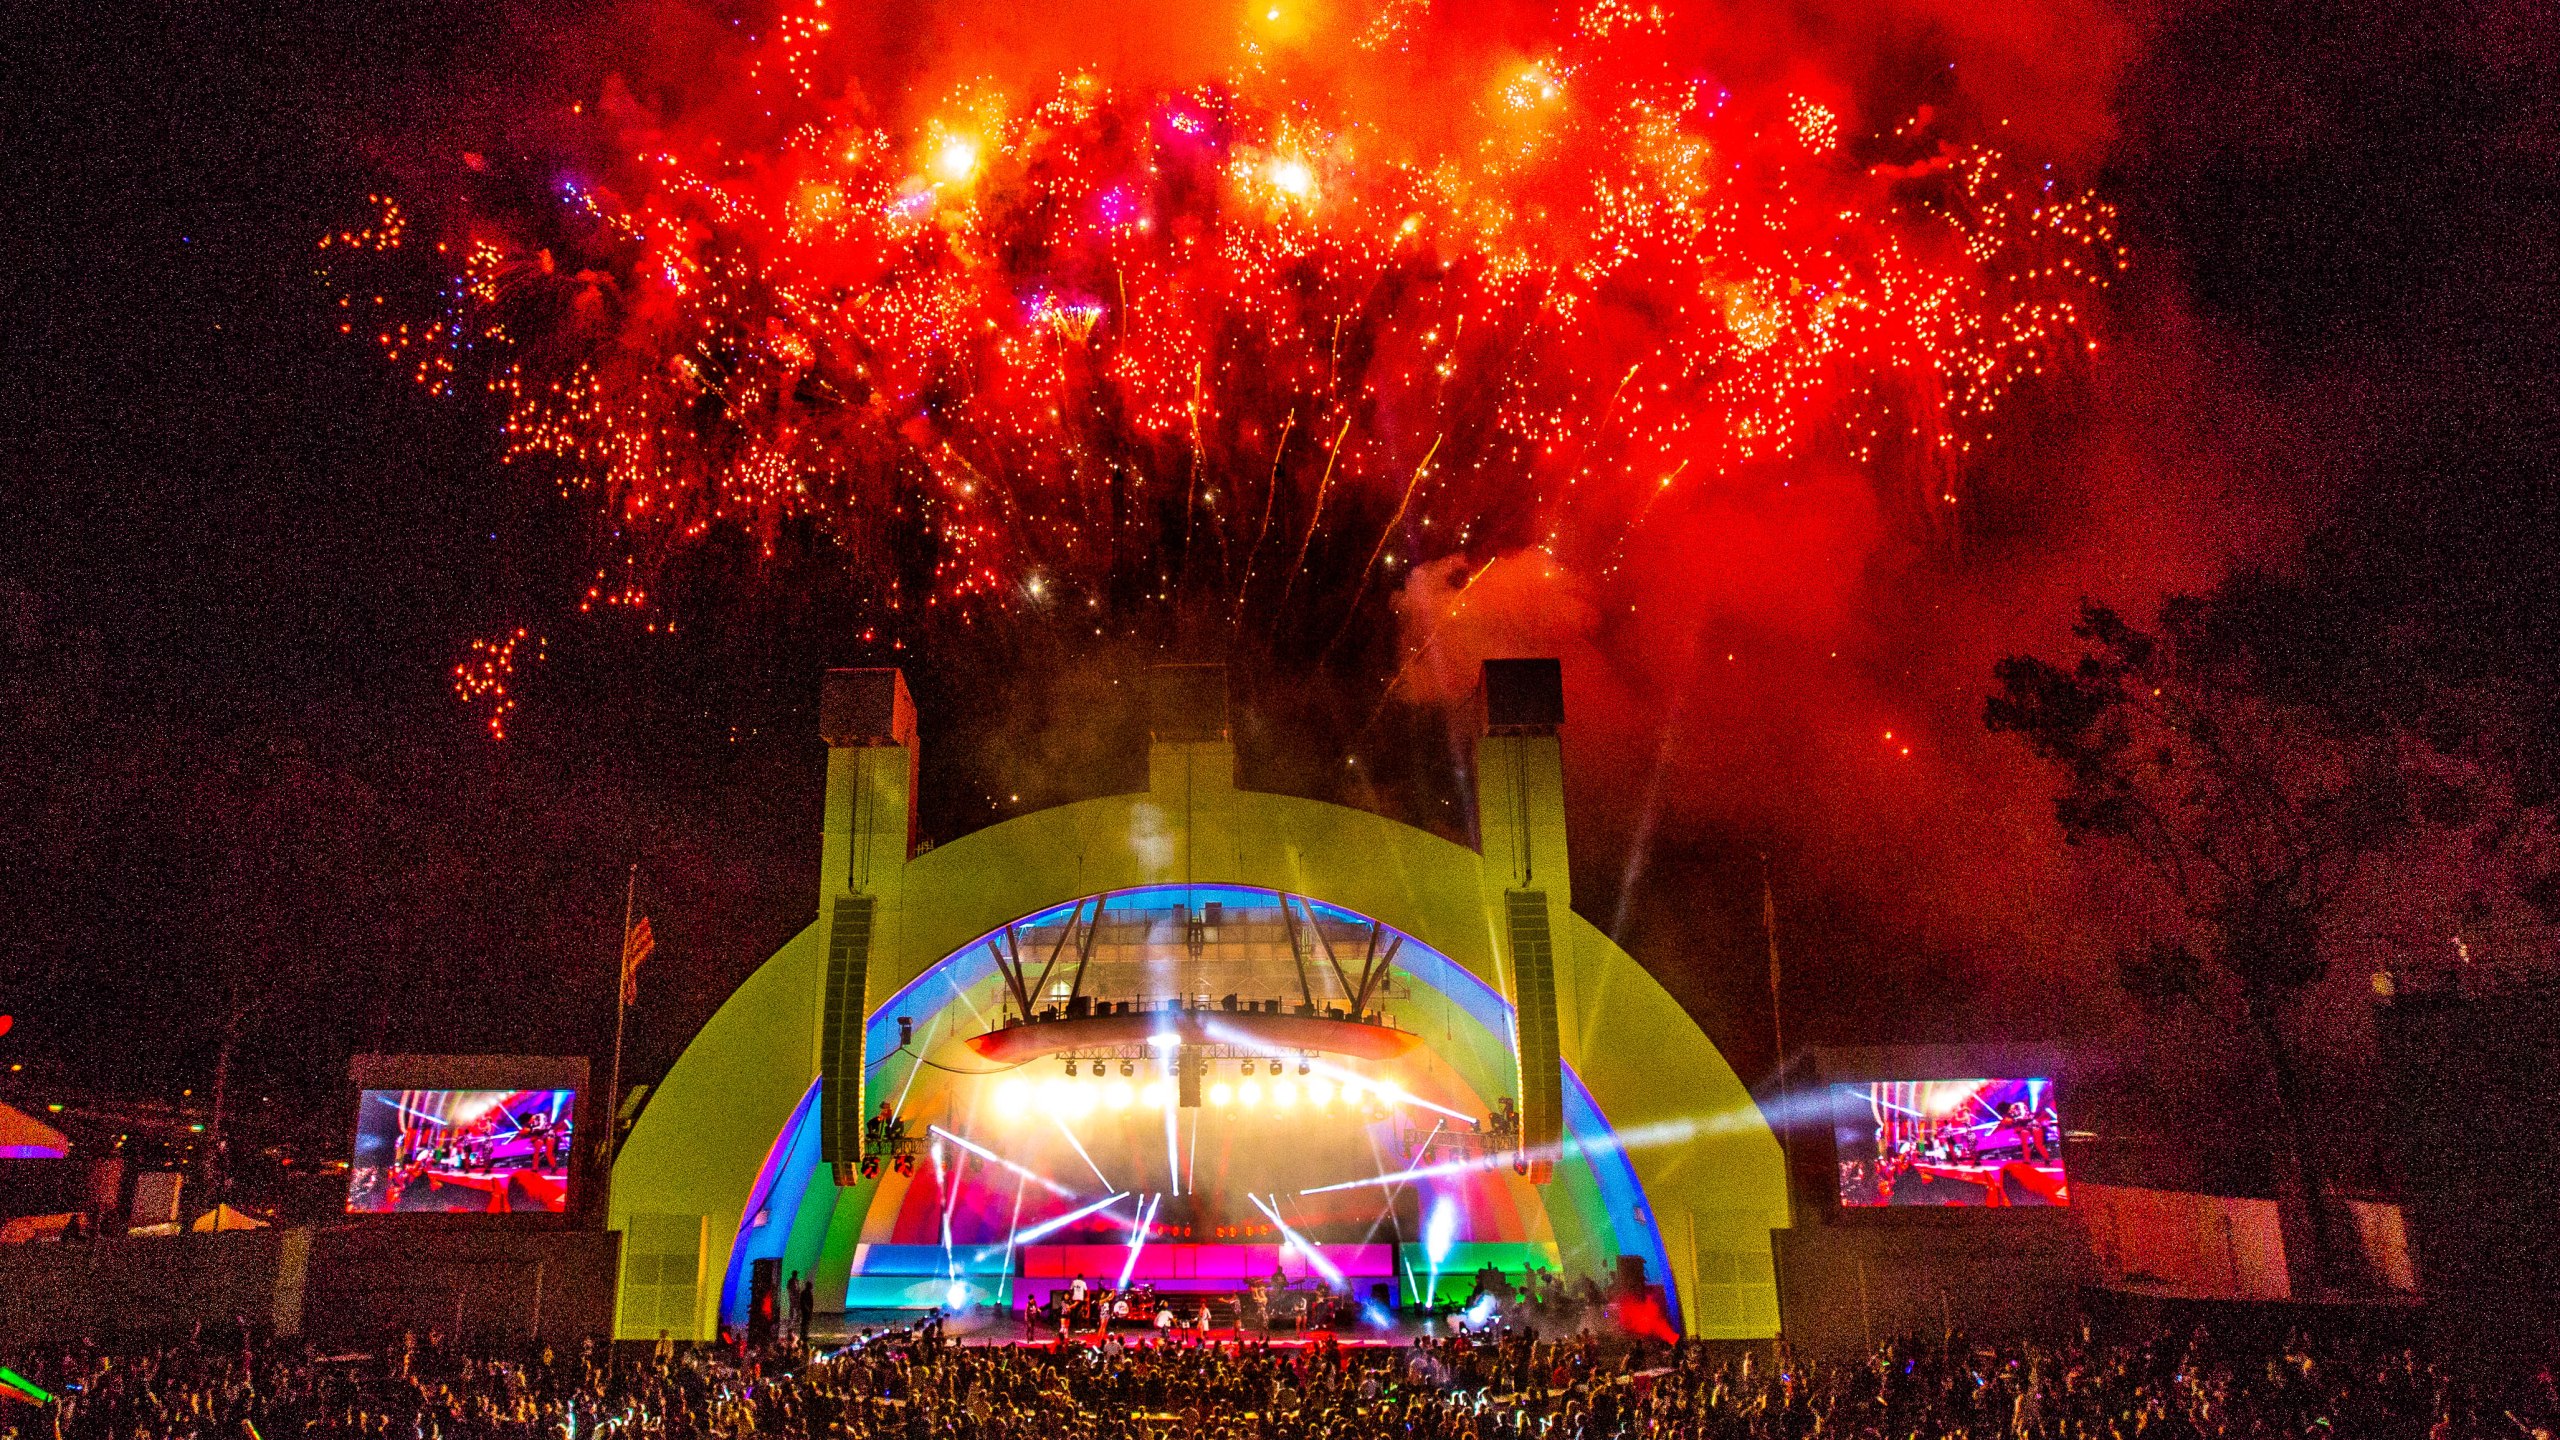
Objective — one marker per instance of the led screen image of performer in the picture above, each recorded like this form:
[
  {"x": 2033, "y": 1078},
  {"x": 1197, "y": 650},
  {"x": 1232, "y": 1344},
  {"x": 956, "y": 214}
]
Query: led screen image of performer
[
  {"x": 451, "y": 1151},
  {"x": 1988, "y": 1143}
]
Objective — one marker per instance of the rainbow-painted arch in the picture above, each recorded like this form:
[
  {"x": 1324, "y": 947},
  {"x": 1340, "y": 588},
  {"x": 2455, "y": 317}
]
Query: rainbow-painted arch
[
  {"x": 865, "y": 1242},
  {"x": 1665, "y": 1156}
]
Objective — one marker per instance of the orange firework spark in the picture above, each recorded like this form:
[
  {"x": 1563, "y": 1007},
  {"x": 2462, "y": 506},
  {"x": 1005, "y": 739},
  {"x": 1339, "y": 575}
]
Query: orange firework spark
[
  {"x": 1245, "y": 344},
  {"x": 485, "y": 679}
]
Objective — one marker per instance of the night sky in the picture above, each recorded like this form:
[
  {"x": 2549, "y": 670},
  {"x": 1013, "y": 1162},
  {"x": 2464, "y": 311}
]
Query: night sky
[{"x": 238, "y": 559}]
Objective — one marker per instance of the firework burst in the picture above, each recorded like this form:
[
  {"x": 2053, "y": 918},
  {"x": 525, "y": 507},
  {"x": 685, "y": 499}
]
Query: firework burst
[
  {"x": 1244, "y": 350},
  {"x": 485, "y": 679}
]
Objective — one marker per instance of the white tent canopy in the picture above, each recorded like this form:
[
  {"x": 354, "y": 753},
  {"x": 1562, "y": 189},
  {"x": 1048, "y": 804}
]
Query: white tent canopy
[{"x": 223, "y": 1217}]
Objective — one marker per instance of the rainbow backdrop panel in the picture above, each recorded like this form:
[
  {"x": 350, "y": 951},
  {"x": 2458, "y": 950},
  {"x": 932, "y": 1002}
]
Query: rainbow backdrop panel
[{"x": 955, "y": 1231}]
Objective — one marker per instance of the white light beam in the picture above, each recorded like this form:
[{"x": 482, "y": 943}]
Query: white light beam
[
  {"x": 1052, "y": 1226},
  {"x": 1138, "y": 1238},
  {"x": 1332, "y": 1273},
  {"x": 1064, "y": 1129},
  {"x": 983, "y": 1153}
]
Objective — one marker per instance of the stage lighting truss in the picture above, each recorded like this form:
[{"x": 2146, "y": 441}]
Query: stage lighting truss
[
  {"x": 1249, "y": 1078},
  {"x": 1080, "y": 968},
  {"x": 888, "y": 1144},
  {"x": 1234, "y": 1061}
]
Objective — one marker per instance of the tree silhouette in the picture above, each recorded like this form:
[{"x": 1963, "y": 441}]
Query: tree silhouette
[
  {"x": 297, "y": 859},
  {"x": 2257, "y": 765}
]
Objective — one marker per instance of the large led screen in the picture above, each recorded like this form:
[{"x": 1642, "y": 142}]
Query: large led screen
[
  {"x": 1950, "y": 1142},
  {"x": 461, "y": 1151}
]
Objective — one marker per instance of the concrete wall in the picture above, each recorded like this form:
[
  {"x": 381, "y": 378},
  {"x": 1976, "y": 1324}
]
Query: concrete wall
[
  {"x": 152, "y": 1285},
  {"x": 2185, "y": 1246},
  {"x": 554, "y": 1285},
  {"x": 2180, "y": 1245},
  {"x": 1843, "y": 1287},
  {"x": 353, "y": 1282},
  {"x": 1988, "y": 1275}
]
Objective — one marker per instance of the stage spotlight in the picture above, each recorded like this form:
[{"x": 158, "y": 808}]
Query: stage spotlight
[
  {"x": 1013, "y": 1097},
  {"x": 1127, "y": 1069},
  {"x": 1053, "y": 1097},
  {"x": 1283, "y": 1094},
  {"x": 1118, "y": 1095},
  {"x": 1354, "y": 1093},
  {"x": 1071, "y": 1069},
  {"x": 1302, "y": 1065},
  {"x": 1081, "y": 1100},
  {"x": 1156, "y": 1096},
  {"x": 1319, "y": 1092},
  {"x": 1222, "y": 1094},
  {"x": 1249, "y": 1093}
]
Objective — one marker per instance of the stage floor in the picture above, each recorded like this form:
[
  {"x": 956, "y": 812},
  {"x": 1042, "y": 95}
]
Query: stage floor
[{"x": 984, "y": 1327}]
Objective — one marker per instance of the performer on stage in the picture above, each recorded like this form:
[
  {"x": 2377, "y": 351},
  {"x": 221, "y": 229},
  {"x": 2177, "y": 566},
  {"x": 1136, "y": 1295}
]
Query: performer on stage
[
  {"x": 546, "y": 1146},
  {"x": 2030, "y": 1130}
]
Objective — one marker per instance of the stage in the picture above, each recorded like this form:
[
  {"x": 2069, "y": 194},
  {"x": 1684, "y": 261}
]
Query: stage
[
  {"x": 1191, "y": 1038},
  {"x": 986, "y": 1327}
]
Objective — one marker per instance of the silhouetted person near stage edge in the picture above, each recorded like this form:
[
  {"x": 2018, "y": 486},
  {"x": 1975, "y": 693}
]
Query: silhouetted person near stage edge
[{"x": 804, "y": 1305}]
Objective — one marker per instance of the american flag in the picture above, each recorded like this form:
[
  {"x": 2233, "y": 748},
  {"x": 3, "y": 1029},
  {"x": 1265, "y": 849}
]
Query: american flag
[{"x": 637, "y": 942}]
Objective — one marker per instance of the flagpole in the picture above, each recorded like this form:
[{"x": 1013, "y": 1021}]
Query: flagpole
[
  {"x": 1786, "y": 1115},
  {"x": 1778, "y": 1034},
  {"x": 621, "y": 1004}
]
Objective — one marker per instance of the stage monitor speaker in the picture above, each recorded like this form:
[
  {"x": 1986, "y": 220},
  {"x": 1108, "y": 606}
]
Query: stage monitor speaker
[
  {"x": 764, "y": 1307},
  {"x": 840, "y": 1035},
  {"x": 1631, "y": 1282}
]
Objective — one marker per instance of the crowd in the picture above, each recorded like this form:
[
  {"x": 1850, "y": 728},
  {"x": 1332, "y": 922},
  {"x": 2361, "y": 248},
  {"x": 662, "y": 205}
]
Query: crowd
[{"x": 916, "y": 1384}]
